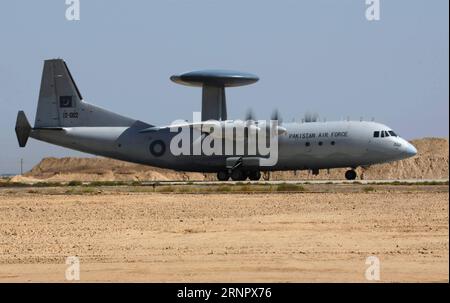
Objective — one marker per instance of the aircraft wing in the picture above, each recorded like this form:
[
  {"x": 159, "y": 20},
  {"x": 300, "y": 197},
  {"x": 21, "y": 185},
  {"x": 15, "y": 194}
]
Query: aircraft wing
[
  {"x": 176, "y": 126},
  {"x": 209, "y": 126}
]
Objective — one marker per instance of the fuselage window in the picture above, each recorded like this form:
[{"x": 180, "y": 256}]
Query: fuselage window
[
  {"x": 376, "y": 134},
  {"x": 333, "y": 143},
  {"x": 320, "y": 143},
  {"x": 307, "y": 144}
]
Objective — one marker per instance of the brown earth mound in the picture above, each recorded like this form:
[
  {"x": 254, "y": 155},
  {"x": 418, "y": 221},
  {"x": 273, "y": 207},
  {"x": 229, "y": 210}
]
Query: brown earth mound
[
  {"x": 431, "y": 162},
  {"x": 102, "y": 169}
]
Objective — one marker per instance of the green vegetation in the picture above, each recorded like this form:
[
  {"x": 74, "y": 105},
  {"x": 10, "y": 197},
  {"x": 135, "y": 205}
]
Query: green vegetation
[
  {"x": 368, "y": 189},
  {"x": 289, "y": 187},
  {"x": 165, "y": 189},
  {"x": 414, "y": 183},
  {"x": 88, "y": 190},
  {"x": 78, "y": 187},
  {"x": 82, "y": 190},
  {"x": 13, "y": 184},
  {"x": 223, "y": 188},
  {"x": 108, "y": 183},
  {"x": 47, "y": 184},
  {"x": 70, "y": 191}
]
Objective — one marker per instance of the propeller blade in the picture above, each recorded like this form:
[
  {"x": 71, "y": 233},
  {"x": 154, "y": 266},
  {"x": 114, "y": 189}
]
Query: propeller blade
[
  {"x": 276, "y": 116},
  {"x": 311, "y": 117},
  {"x": 250, "y": 115}
]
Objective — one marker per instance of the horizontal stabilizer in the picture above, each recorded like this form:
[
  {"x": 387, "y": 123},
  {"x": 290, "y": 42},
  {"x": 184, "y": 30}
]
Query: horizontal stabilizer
[
  {"x": 23, "y": 128},
  {"x": 48, "y": 128}
]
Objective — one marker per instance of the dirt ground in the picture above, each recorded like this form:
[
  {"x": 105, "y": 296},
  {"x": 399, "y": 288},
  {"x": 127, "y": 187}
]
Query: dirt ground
[{"x": 248, "y": 237}]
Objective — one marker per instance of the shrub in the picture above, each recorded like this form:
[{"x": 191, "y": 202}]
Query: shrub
[{"x": 289, "y": 187}]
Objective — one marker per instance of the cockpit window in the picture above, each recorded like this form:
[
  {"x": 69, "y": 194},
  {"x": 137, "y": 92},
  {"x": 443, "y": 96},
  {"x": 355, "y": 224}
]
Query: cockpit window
[
  {"x": 384, "y": 133},
  {"x": 392, "y": 133}
]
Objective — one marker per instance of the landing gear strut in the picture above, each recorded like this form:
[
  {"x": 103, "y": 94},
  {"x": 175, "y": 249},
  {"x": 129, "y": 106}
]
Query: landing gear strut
[{"x": 350, "y": 174}]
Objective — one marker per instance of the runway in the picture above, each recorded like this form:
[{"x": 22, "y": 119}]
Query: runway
[{"x": 301, "y": 182}]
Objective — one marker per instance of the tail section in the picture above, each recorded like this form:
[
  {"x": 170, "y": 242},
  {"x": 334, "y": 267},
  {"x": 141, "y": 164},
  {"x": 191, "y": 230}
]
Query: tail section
[
  {"x": 23, "y": 129},
  {"x": 61, "y": 104}
]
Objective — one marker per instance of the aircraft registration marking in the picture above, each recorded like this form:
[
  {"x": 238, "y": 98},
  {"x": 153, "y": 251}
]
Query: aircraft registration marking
[{"x": 72, "y": 115}]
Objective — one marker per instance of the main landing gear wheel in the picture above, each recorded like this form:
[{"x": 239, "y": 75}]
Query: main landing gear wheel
[
  {"x": 350, "y": 174},
  {"x": 238, "y": 175},
  {"x": 223, "y": 175},
  {"x": 254, "y": 175}
]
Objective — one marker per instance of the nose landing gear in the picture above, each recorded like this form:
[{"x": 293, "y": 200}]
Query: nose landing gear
[{"x": 350, "y": 174}]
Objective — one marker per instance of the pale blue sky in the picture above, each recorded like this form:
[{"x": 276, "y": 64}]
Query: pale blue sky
[{"x": 314, "y": 55}]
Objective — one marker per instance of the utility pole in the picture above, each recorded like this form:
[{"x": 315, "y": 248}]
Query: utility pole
[{"x": 21, "y": 166}]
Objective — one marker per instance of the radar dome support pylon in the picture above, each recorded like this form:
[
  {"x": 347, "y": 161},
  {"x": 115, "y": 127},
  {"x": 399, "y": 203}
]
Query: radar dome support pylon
[{"x": 213, "y": 83}]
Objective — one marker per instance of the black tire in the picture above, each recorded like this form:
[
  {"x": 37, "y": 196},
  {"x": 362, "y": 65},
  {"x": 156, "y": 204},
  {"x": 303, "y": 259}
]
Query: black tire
[
  {"x": 223, "y": 175},
  {"x": 157, "y": 148},
  {"x": 350, "y": 174},
  {"x": 254, "y": 175},
  {"x": 238, "y": 175}
]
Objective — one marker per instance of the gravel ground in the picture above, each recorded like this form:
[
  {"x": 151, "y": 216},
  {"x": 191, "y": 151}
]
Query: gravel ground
[{"x": 140, "y": 236}]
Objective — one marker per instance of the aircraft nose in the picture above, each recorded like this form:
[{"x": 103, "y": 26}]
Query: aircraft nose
[{"x": 410, "y": 150}]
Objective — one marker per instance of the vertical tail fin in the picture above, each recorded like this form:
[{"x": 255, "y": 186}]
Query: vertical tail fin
[{"x": 61, "y": 104}]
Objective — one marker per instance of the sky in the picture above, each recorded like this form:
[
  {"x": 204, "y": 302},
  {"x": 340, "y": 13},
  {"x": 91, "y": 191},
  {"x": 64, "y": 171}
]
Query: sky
[{"x": 317, "y": 56}]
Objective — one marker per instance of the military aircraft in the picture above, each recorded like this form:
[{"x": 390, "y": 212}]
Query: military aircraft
[{"x": 64, "y": 118}]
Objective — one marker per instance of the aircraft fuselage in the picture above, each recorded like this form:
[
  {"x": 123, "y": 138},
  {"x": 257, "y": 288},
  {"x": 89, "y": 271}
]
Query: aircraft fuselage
[{"x": 314, "y": 145}]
